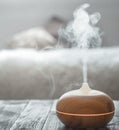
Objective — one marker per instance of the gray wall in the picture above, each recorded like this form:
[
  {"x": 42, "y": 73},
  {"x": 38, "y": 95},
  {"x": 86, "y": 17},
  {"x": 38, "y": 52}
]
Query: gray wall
[{"x": 18, "y": 15}]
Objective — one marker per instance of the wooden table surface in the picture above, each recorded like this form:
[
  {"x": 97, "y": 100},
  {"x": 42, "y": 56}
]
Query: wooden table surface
[{"x": 39, "y": 115}]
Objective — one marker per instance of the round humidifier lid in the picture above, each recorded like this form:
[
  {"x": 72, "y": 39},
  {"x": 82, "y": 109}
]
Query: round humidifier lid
[{"x": 85, "y": 101}]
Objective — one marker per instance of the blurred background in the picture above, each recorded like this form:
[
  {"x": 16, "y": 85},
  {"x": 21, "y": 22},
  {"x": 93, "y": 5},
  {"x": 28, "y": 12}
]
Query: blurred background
[
  {"x": 19, "y": 15},
  {"x": 31, "y": 73}
]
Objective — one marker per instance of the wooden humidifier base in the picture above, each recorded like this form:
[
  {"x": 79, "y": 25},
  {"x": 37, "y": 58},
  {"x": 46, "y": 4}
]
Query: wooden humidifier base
[{"x": 85, "y": 108}]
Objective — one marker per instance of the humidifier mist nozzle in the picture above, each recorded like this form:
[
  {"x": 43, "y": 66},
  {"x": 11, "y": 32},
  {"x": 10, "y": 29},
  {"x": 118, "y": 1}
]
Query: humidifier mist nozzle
[{"x": 85, "y": 88}]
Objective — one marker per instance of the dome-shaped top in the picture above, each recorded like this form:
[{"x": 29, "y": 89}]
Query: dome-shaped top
[{"x": 85, "y": 101}]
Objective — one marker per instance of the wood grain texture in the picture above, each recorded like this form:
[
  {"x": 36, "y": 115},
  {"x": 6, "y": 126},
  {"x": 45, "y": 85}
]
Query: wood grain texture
[
  {"x": 39, "y": 115},
  {"x": 34, "y": 116},
  {"x": 9, "y": 113}
]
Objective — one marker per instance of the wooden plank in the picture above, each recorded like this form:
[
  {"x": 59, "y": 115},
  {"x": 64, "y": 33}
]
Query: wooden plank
[
  {"x": 116, "y": 103},
  {"x": 34, "y": 116},
  {"x": 9, "y": 112},
  {"x": 39, "y": 115}
]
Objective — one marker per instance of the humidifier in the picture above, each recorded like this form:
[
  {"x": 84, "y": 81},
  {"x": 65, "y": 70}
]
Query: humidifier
[{"x": 85, "y": 108}]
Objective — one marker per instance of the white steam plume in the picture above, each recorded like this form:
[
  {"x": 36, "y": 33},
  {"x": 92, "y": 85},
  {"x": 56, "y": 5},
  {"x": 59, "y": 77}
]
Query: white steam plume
[{"x": 82, "y": 32}]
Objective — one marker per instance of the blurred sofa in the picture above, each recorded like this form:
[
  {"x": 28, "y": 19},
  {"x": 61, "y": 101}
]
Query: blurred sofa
[
  {"x": 41, "y": 73},
  {"x": 33, "y": 74}
]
